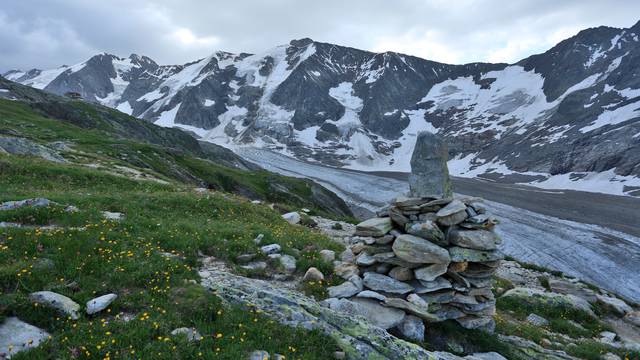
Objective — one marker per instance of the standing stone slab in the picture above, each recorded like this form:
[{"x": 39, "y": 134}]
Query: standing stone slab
[
  {"x": 429, "y": 172},
  {"x": 418, "y": 250}
]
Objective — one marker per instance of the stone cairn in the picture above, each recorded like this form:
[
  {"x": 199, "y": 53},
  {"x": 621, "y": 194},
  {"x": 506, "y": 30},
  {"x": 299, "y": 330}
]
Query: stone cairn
[{"x": 427, "y": 257}]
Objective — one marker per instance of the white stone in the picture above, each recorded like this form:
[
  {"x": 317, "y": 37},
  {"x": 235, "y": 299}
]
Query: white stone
[
  {"x": 292, "y": 217},
  {"x": 56, "y": 301},
  {"x": 100, "y": 303},
  {"x": 191, "y": 333},
  {"x": 270, "y": 249},
  {"x": 16, "y": 336}
]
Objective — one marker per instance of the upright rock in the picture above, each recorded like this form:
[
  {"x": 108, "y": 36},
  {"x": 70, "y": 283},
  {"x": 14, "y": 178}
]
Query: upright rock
[{"x": 429, "y": 172}]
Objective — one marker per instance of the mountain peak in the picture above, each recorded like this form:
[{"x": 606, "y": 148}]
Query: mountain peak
[{"x": 301, "y": 42}]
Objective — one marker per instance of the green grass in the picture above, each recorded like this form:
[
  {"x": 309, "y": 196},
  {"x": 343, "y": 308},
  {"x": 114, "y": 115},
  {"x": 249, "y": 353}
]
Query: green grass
[{"x": 92, "y": 257}]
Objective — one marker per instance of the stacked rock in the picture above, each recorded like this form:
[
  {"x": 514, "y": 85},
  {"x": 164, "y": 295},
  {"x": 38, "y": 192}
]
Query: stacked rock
[{"x": 432, "y": 257}]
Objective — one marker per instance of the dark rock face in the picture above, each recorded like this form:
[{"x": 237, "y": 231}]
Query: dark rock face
[
  {"x": 574, "y": 108},
  {"x": 429, "y": 172}
]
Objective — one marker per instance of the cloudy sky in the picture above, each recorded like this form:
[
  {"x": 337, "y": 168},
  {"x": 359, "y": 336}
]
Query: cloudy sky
[{"x": 48, "y": 33}]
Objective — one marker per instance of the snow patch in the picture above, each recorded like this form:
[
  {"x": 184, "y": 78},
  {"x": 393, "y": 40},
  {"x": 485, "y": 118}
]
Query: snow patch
[
  {"x": 125, "y": 107},
  {"x": 209, "y": 103},
  {"x": 607, "y": 182},
  {"x": 614, "y": 117}
]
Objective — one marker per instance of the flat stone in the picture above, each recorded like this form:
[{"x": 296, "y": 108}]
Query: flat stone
[
  {"x": 191, "y": 333},
  {"x": 374, "y": 227},
  {"x": 474, "y": 239},
  {"x": 438, "y": 297},
  {"x": 401, "y": 273},
  {"x": 398, "y": 217},
  {"x": 429, "y": 174},
  {"x": 451, "y": 208},
  {"x": 415, "y": 299},
  {"x": 347, "y": 256},
  {"x": 431, "y": 272},
  {"x": 368, "y": 294},
  {"x": 365, "y": 259},
  {"x": 537, "y": 320},
  {"x": 427, "y": 230},
  {"x": 346, "y": 270},
  {"x": 418, "y": 250},
  {"x": 56, "y": 301},
  {"x": 327, "y": 255},
  {"x": 385, "y": 283},
  {"x": 453, "y": 219},
  {"x": 459, "y": 254},
  {"x": 313, "y": 274},
  {"x": 16, "y": 336},
  {"x": 412, "y": 328},
  {"x": 270, "y": 249},
  {"x": 616, "y": 305},
  {"x": 292, "y": 218},
  {"x": 100, "y": 303},
  {"x": 416, "y": 310},
  {"x": 344, "y": 290},
  {"x": 430, "y": 286},
  {"x": 475, "y": 322}
]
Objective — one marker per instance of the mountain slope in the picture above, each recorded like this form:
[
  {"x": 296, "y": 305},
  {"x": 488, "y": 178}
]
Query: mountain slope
[
  {"x": 98, "y": 137},
  {"x": 566, "y": 118}
]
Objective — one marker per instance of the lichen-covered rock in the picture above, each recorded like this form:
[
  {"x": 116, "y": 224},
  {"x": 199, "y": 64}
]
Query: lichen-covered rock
[
  {"x": 419, "y": 311},
  {"x": 35, "y": 202},
  {"x": 56, "y": 301},
  {"x": 529, "y": 295},
  {"x": 190, "y": 333},
  {"x": 419, "y": 251},
  {"x": 359, "y": 339},
  {"x": 412, "y": 328},
  {"x": 616, "y": 305}
]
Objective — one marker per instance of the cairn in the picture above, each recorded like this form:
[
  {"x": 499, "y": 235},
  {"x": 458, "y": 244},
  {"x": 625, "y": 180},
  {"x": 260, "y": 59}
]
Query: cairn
[{"x": 428, "y": 257}]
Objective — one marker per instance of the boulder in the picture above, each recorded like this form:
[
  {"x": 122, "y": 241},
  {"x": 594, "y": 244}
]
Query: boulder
[
  {"x": 327, "y": 255},
  {"x": 114, "y": 216},
  {"x": 385, "y": 283},
  {"x": 427, "y": 230},
  {"x": 35, "y": 202},
  {"x": 418, "y": 250},
  {"x": 100, "y": 303},
  {"x": 529, "y": 295},
  {"x": 616, "y": 305},
  {"x": 429, "y": 174},
  {"x": 459, "y": 254},
  {"x": 633, "y": 318},
  {"x": 474, "y": 239},
  {"x": 288, "y": 263},
  {"x": 313, "y": 274},
  {"x": 56, "y": 301},
  {"x": 412, "y": 328},
  {"x": 292, "y": 218},
  {"x": 431, "y": 272},
  {"x": 374, "y": 227},
  {"x": 190, "y": 333},
  {"x": 16, "y": 335}
]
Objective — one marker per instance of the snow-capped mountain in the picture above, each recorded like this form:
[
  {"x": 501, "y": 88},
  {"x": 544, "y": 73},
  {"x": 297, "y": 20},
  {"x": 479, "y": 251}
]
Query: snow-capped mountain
[{"x": 569, "y": 117}]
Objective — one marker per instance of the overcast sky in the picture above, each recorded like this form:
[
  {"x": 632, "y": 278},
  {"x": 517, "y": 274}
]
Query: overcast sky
[{"x": 48, "y": 33}]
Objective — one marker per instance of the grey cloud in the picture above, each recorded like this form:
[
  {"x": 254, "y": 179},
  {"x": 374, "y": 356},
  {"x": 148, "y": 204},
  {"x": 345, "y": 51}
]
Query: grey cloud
[{"x": 48, "y": 33}]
